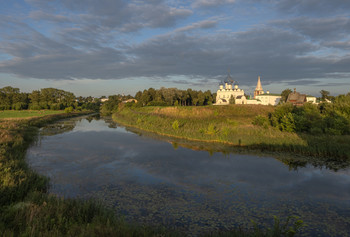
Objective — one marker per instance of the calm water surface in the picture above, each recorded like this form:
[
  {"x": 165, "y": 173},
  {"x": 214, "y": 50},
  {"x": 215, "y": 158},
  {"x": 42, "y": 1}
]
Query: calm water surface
[{"x": 154, "y": 181}]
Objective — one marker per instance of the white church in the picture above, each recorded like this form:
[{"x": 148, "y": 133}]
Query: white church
[
  {"x": 223, "y": 95},
  {"x": 231, "y": 90}
]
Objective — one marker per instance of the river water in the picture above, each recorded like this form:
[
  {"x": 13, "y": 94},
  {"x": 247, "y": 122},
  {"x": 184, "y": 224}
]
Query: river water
[{"x": 154, "y": 180}]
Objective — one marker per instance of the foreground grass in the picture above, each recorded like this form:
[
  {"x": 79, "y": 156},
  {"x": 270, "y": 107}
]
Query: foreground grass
[
  {"x": 232, "y": 125},
  {"x": 27, "y": 210},
  {"x": 14, "y": 114}
]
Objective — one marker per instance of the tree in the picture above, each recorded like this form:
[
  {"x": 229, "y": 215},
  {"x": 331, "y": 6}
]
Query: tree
[
  {"x": 285, "y": 94},
  {"x": 12, "y": 96},
  {"x": 324, "y": 95},
  {"x": 145, "y": 98}
]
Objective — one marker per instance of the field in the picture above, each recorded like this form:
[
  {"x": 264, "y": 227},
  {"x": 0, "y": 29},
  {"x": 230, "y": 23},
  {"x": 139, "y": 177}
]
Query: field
[
  {"x": 13, "y": 114},
  {"x": 232, "y": 125}
]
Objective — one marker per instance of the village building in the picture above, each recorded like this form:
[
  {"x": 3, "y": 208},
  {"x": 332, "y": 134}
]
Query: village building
[
  {"x": 311, "y": 99},
  {"x": 299, "y": 99},
  {"x": 231, "y": 90},
  {"x": 296, "y": 98}
]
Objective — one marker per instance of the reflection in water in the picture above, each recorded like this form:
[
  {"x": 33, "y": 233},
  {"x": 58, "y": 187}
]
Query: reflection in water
[{"x": 199, "y": 189}]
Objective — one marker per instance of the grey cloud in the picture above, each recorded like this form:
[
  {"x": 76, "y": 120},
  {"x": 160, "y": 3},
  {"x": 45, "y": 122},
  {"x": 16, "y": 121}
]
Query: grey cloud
[
  {"x": 206, "y": 24},
  {"x": 317, "y": 7},
  {"x": 102, "y": 64},
  {"x": 276, "y": 54},
  {"x": 302, "y": 82},
  {"x": 40, "y": 15},
  {"x": 211, "y": 3},
  {"x": 22, "y": 41},
  {"x": 318, "y": 28},
  {"x": 126, "y": 16},
  {"x": 338, "y": 44},
  {"x": 330, "y": 84}
]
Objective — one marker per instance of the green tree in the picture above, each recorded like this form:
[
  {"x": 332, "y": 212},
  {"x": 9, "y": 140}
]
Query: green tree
[
  {"x": 285, "y": 93},
  {"x": 324, "y": 95}
]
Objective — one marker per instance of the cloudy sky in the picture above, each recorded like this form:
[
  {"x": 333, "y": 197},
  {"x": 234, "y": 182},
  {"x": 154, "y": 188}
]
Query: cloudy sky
[{"x": 104, "y": 47}]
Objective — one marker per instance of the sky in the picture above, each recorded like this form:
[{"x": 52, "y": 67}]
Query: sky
[{"x": 106, "y": 47}]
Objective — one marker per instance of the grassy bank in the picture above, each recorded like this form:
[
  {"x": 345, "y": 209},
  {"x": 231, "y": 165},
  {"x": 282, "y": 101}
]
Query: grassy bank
[
  {"x": 232, "y": 125},
  {"x": 27, "y": 210},
  {"x": 15, "y": 114}
]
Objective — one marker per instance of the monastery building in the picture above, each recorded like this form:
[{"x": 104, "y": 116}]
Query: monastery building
[{"x": 231, "y": 89}]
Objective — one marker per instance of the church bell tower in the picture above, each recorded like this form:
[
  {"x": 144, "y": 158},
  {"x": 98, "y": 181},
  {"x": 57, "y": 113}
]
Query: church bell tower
[{"x": 258, "y": 89}]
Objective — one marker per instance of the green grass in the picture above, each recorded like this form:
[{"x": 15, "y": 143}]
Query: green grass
[
  {"x": 11, "y": 114},
  {"x": 27, "y": 210},
  {"x": 232, "y": 125}
]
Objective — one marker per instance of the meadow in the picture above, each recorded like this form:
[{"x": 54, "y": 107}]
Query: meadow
[
  {"x": 234, "y": 125},
  {"x": 15, "y": 114}
]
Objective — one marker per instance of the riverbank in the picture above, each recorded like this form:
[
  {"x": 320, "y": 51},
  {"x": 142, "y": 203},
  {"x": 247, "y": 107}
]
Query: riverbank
[
  {"x": 20, "y": 114},
  {"x": 26, "y": 208},
  {"x": 233, "y": 125}
]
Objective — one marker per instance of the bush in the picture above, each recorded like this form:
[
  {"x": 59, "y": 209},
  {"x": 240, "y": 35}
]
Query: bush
[
  {"x": 175, "y": 125},
  {"x": 212, "y": 129},
  {"x": 68, "y": 109},
  {"x": 130, "y": 104},
  {"x": 287, "y": 123},
  {"x": 260, "y": 121}
]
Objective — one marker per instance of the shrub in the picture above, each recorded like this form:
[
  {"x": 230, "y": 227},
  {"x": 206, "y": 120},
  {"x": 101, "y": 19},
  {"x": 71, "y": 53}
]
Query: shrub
[
  {"x": 212, "y": 129},
  {"x": 287, "y": 123},
  {"x": 68, "y": 109},
  {"x": 175, "y": 125},
  {"x": 129, "y": 104},
  {"x": 260, "y": 121}
]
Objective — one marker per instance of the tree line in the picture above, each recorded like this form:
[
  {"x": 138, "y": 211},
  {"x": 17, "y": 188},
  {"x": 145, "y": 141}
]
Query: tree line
[
  {"x": 47, "y": 98},
  {"x": 174, "y": 97},
  {"x": 160, "y": 97}
]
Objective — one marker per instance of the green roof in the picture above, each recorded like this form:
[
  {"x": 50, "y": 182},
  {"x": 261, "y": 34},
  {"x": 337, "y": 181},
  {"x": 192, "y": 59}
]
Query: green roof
[{"x": 270, "y": 94}]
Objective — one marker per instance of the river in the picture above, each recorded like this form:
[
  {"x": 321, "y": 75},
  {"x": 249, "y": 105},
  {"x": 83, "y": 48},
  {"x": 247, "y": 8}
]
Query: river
[{"x": 154, "y": 180}]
